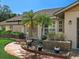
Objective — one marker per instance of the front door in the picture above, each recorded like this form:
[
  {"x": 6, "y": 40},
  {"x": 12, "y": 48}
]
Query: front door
[{"x": 77, "y": 32}]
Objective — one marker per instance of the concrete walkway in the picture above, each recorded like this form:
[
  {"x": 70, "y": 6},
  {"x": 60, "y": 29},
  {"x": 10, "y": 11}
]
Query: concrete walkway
[
  {"x": 75, "y": 54},
  {"x": 16, "y": 50}
]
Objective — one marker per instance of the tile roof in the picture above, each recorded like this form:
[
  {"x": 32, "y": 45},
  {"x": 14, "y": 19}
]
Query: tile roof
[{"x": 49, "y": 12}]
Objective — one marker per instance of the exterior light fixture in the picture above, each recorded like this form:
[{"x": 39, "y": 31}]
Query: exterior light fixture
[{"x": 70, "y": 22}]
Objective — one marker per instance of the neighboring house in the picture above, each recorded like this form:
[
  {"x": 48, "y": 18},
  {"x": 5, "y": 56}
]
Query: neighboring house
[
  {"x": 64, "y": 20},
  {"x": 13, "y": 24}
]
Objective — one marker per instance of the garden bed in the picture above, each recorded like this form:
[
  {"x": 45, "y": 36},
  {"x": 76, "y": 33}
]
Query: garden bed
[{"x": 10, "y": 34}]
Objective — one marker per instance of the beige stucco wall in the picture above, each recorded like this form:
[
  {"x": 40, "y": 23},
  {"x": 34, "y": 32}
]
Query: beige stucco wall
[
  {"x": 71, "y": 29},
  {"x": 1, "y": 27},
  {"x": 8, "y": 27},
  {"x": 18, "y": 28},
  {"x": 15, "y": 28}
]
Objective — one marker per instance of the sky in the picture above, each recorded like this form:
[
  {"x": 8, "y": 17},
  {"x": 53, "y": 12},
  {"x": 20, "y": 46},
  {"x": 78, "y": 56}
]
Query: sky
[{"x": 19, "y": 6}]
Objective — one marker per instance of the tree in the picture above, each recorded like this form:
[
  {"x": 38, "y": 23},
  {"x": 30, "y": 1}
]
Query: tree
[
  {"x": 5, "y": 13},
  {"x": 28, "y": 19},
  {"x": 13, "y": 15},
  {"x": 43, "y": 21}
]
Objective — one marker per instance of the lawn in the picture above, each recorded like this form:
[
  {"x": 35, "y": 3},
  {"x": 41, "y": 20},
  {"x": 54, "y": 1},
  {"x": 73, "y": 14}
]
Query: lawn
[{"x": 3, "y": 54}]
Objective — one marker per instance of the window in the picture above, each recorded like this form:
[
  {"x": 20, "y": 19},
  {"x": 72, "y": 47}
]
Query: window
[
  {"x": 60, "y": 22},
  {"x": 53, "y": 22},
  {"x": 45, "y": 31},
  {"x": 54, "y": 25},
  {"x": 61, "y": 26},
  {"x": 60, "y": 30},
  {"x": 53, "y": 30}
]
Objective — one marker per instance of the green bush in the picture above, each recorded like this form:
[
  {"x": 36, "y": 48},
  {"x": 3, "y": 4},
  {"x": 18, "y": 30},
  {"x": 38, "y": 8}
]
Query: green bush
[
  {"x": 44, "y": 37},
  {"x": 51, "y": 36},
  {"x": 16, "y": 33},
  {"x": 4, "y": 32},
  {"x": 58, "y": 36}
]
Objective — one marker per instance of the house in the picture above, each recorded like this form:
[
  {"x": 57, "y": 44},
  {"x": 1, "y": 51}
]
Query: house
[
  {"x": 16, "y": 25},
  {"x": 70, "y": 15},
  {"x": 57, "y": 24},
  {"x": 65, "y": 20},
  {"x": 13, "y": 24}
]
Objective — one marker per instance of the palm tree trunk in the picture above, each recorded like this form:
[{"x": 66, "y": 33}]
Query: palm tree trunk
[
  {"x": 31, "y": 30},
  {"x": 41, "y": 31}
]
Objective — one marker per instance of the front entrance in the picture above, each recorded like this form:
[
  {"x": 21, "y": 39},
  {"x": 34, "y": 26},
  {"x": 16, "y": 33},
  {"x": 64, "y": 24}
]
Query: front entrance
[{"x": 77, "y": 32}]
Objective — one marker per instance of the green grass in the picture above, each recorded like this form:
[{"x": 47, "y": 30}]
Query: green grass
[{"x": 3, "y": 54}]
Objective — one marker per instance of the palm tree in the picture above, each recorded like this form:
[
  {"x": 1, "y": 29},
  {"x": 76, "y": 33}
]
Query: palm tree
[
  {"x": 28, "y": 19},
  {"x": 43, "y": 20}
]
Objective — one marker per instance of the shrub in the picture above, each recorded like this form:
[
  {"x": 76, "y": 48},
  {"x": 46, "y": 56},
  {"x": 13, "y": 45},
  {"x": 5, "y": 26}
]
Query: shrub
[
  {"x": 16, "y": 33},
  {"x": 10, "y": 32},
  {"x": 37, "y": 42},
  {"x": 44, "y": 37},
  {"x": 58, "y": 36},
  {"x": 51, "y": 36}
]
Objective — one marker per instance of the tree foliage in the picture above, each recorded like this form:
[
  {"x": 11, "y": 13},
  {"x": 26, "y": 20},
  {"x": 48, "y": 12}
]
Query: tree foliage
[
  {"x": 30, "y": 18},
  {"x": 44, "y": 21},
  {"x": 5, "y": 13}
]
